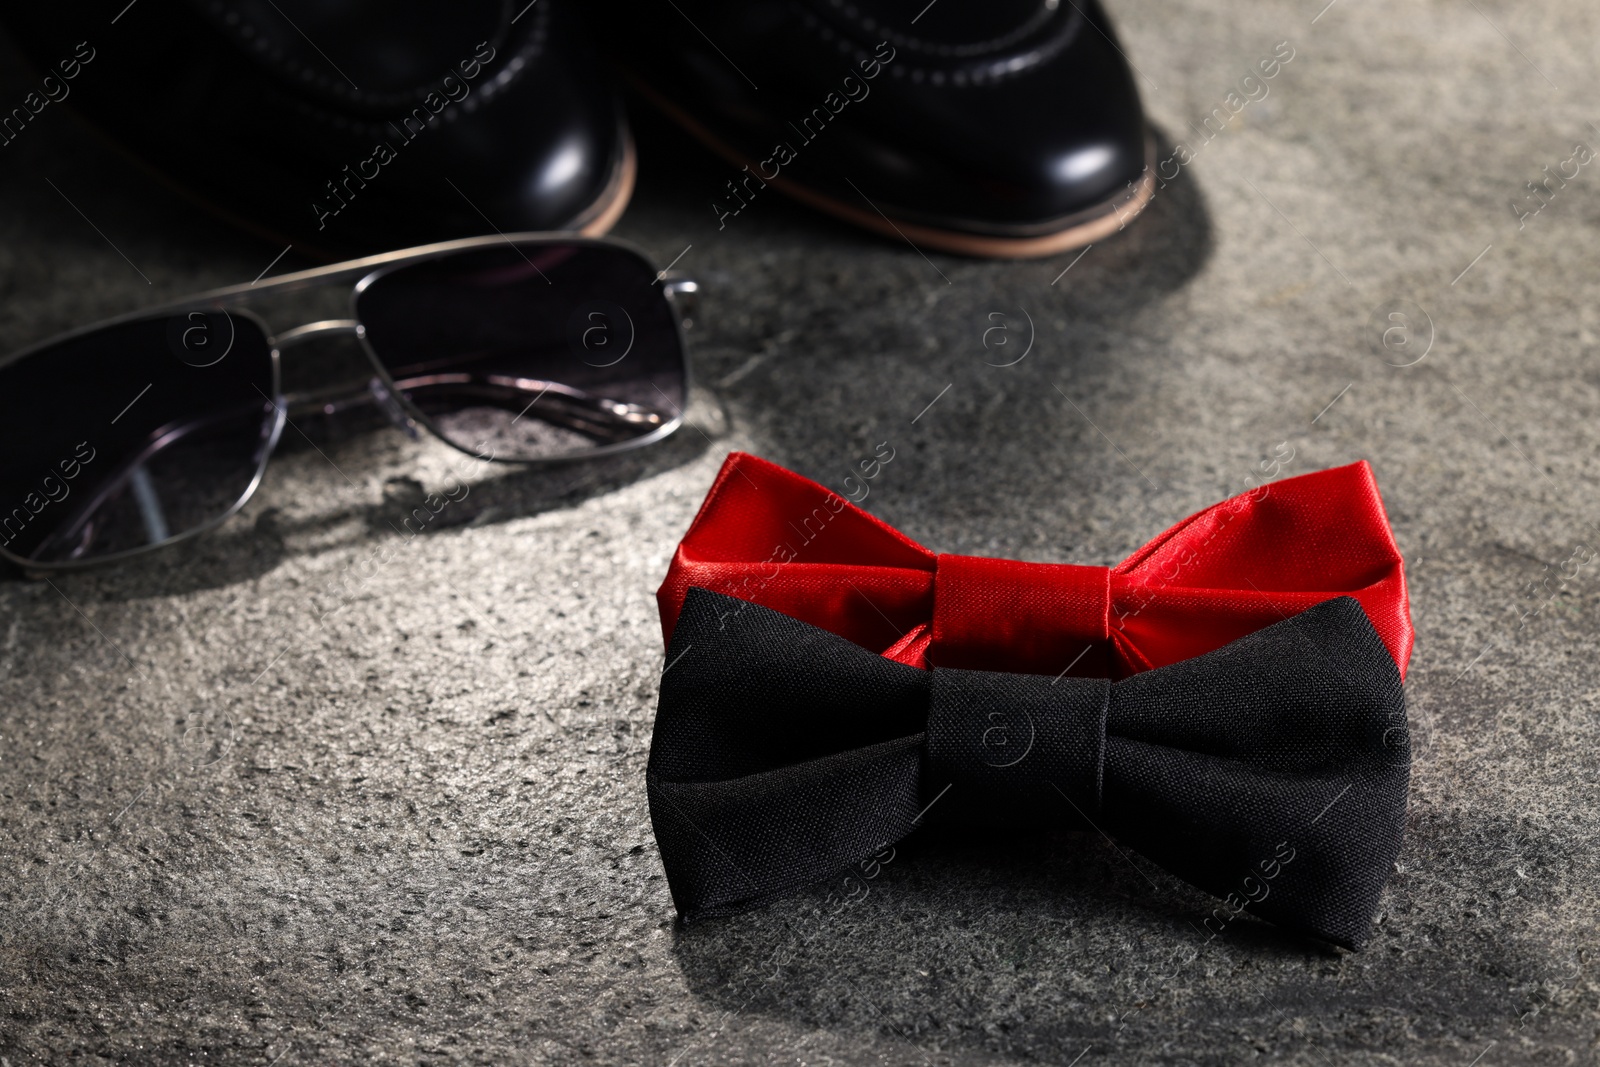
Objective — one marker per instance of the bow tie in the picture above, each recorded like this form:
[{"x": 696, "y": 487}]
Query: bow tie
[
  {"x": 769, "y": 536},
  {"x": 1271, "y": 772}
]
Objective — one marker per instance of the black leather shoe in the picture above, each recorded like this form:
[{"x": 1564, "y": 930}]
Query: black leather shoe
[
  {"x": 349, "y": 127},
  {"x": 1001, "y": 128}
]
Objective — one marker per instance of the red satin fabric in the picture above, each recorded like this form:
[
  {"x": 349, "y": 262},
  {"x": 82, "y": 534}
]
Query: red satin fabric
[{"x": 767, "y": 535}]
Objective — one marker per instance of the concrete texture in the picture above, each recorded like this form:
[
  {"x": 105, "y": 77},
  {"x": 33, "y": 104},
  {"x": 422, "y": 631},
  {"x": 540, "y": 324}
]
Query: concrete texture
[{"x": 416, "y": 831}]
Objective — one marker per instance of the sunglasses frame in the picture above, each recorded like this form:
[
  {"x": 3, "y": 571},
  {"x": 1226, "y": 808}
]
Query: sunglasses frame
[{"x": 679, "y": 291}]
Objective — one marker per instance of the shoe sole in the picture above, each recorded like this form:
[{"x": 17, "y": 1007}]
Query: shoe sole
[
  {"x": 1081, "y": 228},
  {"x": 603, "y": 214}
]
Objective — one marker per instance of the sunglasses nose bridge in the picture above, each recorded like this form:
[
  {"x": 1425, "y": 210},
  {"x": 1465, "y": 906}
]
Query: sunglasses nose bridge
[
  {"x": 325, "y": 328},
  {"x": 382, "y": 395}
]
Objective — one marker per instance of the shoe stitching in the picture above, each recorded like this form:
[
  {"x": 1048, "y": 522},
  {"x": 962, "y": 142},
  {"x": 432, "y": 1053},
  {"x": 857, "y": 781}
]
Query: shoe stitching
[
  {"x": 961, "y": 67},
  {"x": 290, "y": 70},
  {"x": 872, "y": 28}
]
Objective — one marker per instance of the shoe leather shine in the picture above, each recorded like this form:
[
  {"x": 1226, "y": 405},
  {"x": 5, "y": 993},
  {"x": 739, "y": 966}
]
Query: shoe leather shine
[
  {"x": 998, "y": 118},
  {"x": 341, "y": 126}
]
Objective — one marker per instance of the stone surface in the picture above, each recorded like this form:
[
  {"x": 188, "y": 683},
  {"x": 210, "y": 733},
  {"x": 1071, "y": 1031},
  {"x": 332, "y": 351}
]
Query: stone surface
[{"x": 239, "y": 826}]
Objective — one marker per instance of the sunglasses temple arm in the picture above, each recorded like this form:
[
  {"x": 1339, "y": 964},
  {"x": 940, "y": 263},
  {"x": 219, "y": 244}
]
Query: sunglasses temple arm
[{"x": 551, "y": 402}]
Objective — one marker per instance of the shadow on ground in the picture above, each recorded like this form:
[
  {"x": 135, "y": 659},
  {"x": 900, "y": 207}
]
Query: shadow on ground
[{"x": 1035, "y": 946}]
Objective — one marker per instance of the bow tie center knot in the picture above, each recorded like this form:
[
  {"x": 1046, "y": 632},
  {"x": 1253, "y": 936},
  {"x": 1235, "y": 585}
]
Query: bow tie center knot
[
  {"x": 1018, "y": 737},
  {"x": 1035, "y": 617}
]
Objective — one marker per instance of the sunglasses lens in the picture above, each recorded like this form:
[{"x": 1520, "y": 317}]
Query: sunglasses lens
[
  {"x": 132, "y": 435},
  {"x": 537, "y": 350}
]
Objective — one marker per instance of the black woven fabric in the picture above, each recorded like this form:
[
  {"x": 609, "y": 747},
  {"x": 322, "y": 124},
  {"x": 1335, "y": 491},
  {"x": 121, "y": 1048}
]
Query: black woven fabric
[{"x": 1272, "y": 772}]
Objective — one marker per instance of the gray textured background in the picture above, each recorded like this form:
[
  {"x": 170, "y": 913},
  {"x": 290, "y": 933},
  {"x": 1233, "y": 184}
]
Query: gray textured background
[{"x": 417, "y": 832}]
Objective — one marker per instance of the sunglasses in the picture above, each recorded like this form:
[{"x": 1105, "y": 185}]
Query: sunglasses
[{"x": 525, "y": 349}]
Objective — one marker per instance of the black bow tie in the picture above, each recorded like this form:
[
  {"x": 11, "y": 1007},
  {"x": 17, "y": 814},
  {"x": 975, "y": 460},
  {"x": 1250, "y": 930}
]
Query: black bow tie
[{"x": 1271, "y": 772}]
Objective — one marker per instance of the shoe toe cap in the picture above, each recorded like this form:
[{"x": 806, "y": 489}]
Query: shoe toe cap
[{"x": 1033, "y": 150}]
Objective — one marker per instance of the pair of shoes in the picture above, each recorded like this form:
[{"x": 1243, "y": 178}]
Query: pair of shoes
[{"x": 1011, "y": 128}]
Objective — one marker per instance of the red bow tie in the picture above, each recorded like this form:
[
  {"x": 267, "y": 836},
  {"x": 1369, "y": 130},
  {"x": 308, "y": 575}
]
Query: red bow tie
[{"x": 767, "y": 535}]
